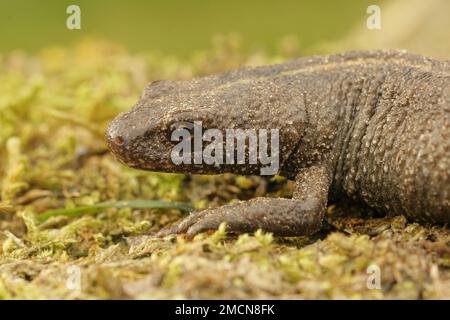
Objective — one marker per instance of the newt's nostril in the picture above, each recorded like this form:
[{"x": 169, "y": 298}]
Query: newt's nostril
[{"x": 119, "y": 140}]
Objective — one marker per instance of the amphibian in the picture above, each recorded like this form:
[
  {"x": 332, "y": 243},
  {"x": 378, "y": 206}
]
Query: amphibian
[{"x": 370, "y": 126}]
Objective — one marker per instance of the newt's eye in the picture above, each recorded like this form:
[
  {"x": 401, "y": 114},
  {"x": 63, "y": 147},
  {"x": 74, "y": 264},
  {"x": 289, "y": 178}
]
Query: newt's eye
[
  {"x": 180, "y": 125},
  {"x": 181, "y": 129}
]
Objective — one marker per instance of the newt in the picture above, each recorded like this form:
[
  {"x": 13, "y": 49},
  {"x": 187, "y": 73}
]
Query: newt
[{"x": 371, "y": 127}]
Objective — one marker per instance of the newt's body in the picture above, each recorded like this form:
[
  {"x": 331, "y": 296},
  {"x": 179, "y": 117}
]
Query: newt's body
[{"x": 373, "y": 126}]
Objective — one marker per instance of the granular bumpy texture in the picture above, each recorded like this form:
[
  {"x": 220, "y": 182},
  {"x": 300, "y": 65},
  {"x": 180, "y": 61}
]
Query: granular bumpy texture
[{"x": 370, "y": 126}]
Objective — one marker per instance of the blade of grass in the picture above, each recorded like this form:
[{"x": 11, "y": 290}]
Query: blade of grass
[{"x": 134, "y": 204}]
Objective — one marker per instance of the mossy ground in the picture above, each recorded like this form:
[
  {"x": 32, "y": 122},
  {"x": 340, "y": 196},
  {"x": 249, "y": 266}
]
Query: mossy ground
[{"x": 54, "y": 107}]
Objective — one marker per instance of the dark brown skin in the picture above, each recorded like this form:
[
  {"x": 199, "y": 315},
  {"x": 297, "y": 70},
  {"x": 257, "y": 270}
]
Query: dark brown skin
[{"x": 370, "y": 126}]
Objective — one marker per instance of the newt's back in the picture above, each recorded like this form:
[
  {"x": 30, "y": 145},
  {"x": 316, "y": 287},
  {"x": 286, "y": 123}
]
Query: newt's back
[{"x": 397, "y": 156}]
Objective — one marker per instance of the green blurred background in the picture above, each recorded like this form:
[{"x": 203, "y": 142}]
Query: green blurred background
[
  {"x": 178, "y": 27},
  {"x": 183, "y": 27}
]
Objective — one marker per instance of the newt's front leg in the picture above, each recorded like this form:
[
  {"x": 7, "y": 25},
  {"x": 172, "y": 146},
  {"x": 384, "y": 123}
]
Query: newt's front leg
[{"x": 301, "y": 215}]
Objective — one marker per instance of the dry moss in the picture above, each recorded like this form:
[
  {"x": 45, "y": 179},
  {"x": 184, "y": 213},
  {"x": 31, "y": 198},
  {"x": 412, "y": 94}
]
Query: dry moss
[{"x": 54, "y": 107}]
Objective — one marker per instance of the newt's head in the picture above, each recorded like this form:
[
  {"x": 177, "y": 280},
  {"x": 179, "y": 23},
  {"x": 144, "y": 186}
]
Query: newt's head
[
  {"x": 173, "y": 125},
  {"x": 141, "y": 137}
]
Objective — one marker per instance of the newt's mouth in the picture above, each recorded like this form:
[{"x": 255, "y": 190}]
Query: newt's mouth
[
  {"x": 139, "y": 152},
  {"x": 118, "y": 146}
]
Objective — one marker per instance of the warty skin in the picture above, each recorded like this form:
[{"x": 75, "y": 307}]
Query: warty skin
[{"x": 369, "y": 126}]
